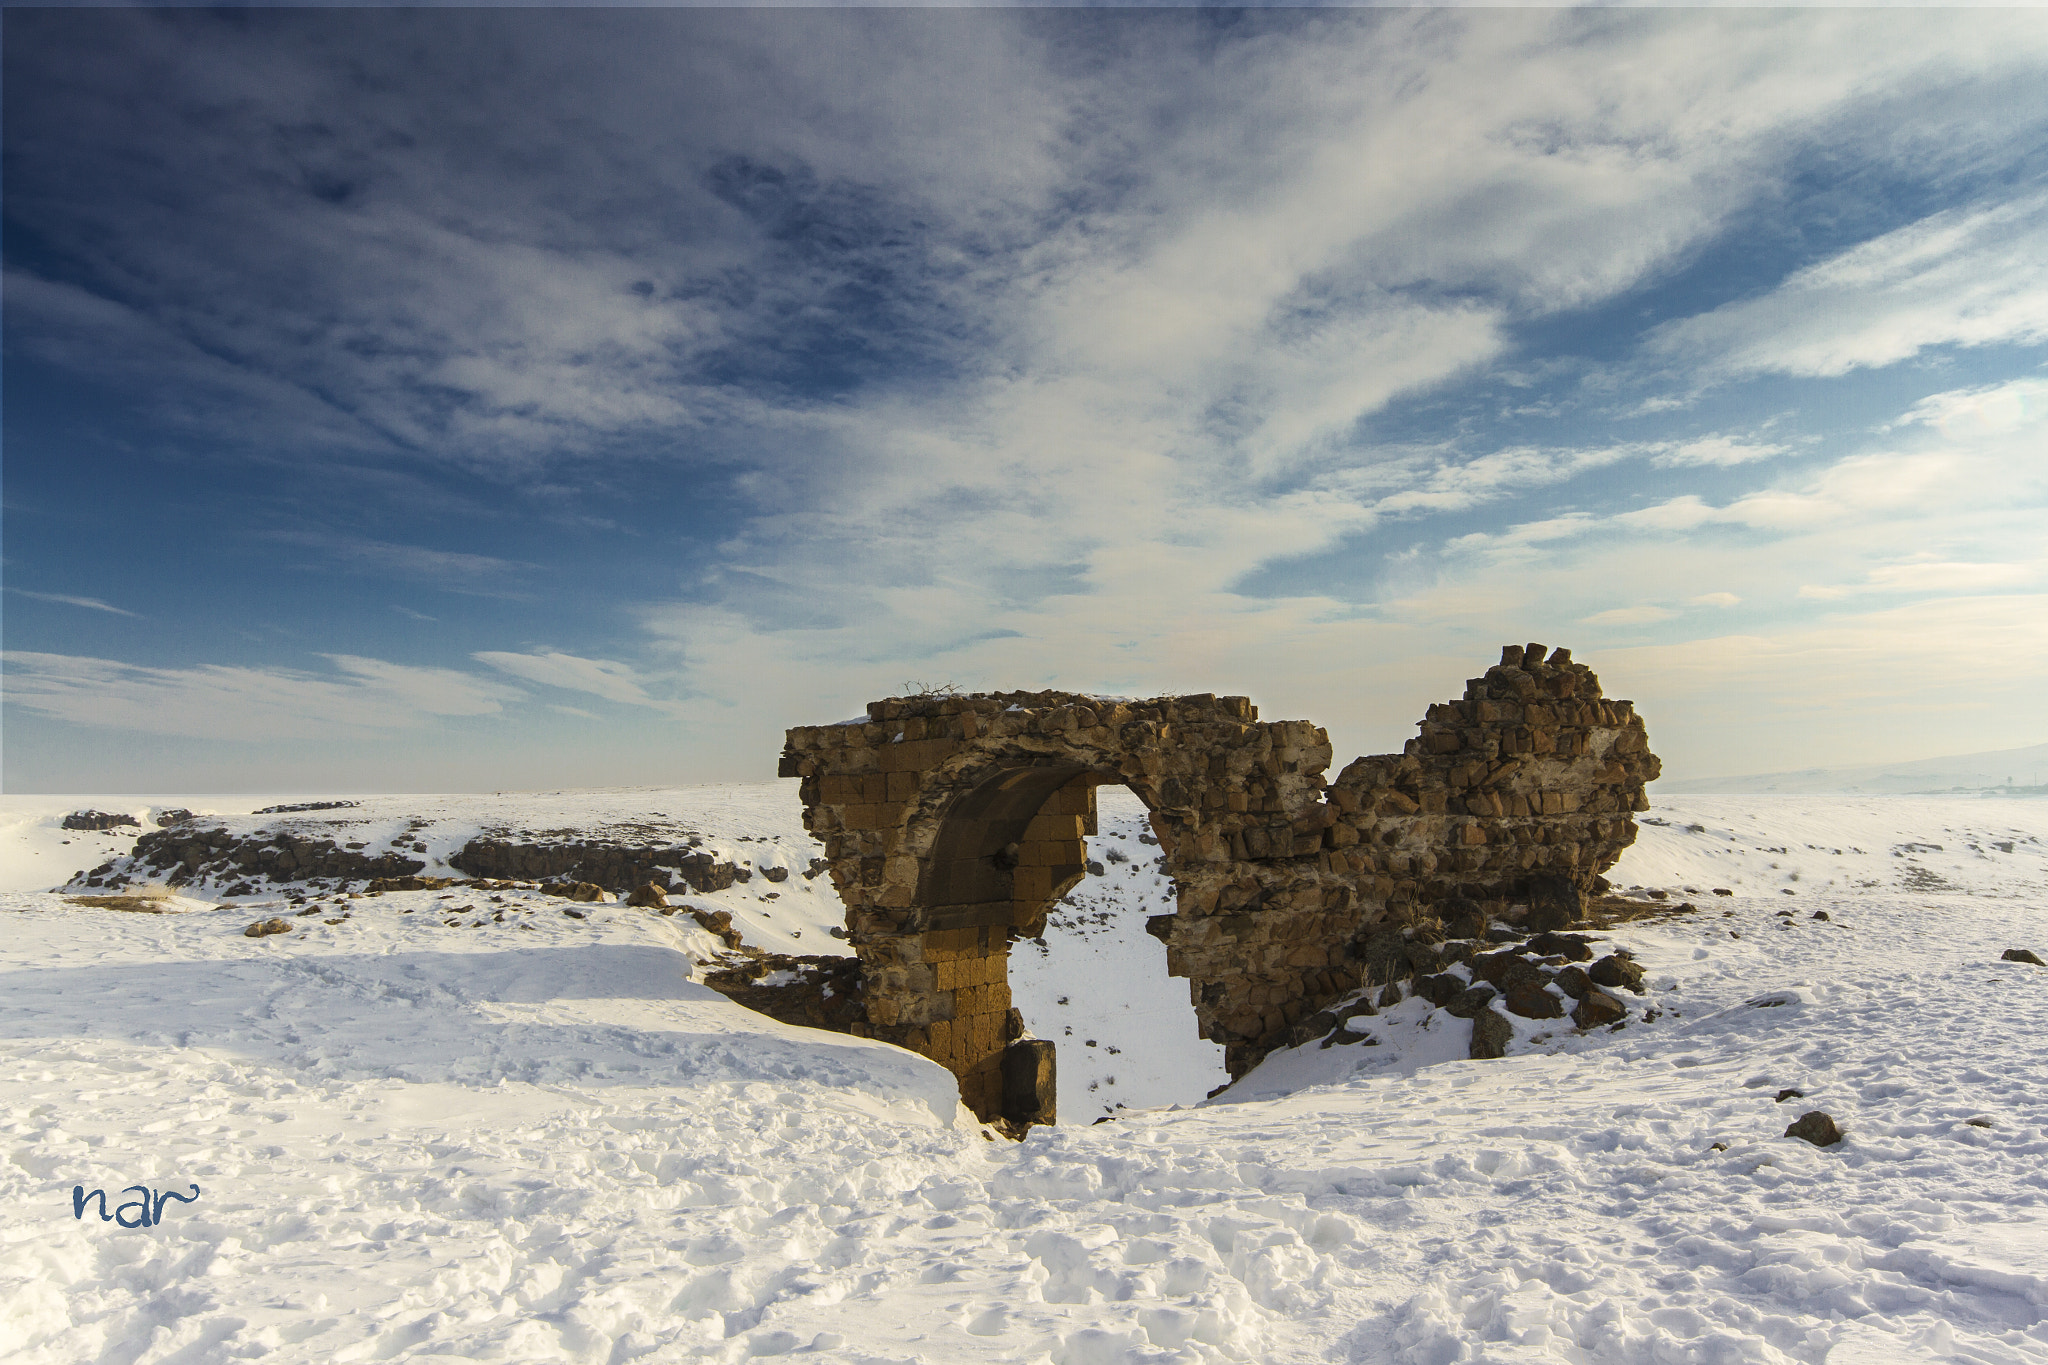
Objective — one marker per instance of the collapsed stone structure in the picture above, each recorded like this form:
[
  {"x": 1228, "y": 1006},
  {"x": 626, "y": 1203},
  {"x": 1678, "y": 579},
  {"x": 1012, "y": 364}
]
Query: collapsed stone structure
[
  {"x": 193, "y": 852},
  {"x": 951, "y": 824}
]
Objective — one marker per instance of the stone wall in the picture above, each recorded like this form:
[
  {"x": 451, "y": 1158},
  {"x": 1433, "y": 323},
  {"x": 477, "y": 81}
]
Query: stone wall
[
  {"x": 614, "y": 867},
  {"x": 951, "y": 824},
  {"x": 186, "y": 853},
  {"x": 194, "y": 853}
]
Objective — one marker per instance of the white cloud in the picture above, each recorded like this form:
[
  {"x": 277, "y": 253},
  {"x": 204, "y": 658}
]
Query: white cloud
[
  {"x": 1956, "y": 278},
  {"x": 258, "y": 704},
  {"x": 66, "y": 600},
  {"x": 599, "y": 677},
  {"x": 1989, "y": 410},
  {"x": 1717, "y": 450},
  {"x": 449, "y": 568},
  {"x": 1629, "y": 616},
  {"x": 1716, "y": 599}
]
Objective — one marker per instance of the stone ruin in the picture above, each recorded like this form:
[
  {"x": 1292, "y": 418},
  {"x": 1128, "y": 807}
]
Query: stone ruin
[{"x": 952, "y": 823}]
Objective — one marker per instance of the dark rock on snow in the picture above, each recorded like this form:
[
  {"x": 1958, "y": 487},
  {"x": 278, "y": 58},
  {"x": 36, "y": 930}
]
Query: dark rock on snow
[
  {"x": 1471, "y": 1003},
  {"x": 1598, "y": 1008},
  {"x": 1490, "y": 1035},
  {"x": 98, "y": 820},
  {"x": 1439, "y": 990},
  {"x": 1533, "y": 1002},
  {"x": 1570, "y": 947},
  {"x": 1815, "y": 1127},
  {"x": 1574, "y": 982},
  {"x": 1617, "y": 970}
]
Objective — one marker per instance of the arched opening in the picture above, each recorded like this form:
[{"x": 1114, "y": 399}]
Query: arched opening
[
  {"x": 1009, "y": 857},
  {"x": 1094, "y": 980},
  {"x": 1006, "y": 846}
]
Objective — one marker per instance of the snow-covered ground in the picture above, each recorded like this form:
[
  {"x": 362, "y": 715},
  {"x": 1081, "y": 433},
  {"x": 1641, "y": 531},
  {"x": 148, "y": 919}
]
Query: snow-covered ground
[
  {"x": 426, "y": 1130},
  {"x": 1097, "y": 985},
  {"x": 754, "y": 826}
]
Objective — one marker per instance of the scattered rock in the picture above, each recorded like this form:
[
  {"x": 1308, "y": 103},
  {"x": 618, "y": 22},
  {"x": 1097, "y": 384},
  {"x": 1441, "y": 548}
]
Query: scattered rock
[
  {"x": 263, "y": 928},
  {"x": 1471, "y": 1003},
  {"x": 1978, "y": 1123},
  {"x": 585, "y": 892},
  {"x": 1533, "y": 1002},
  {"x": 410, "y": 883},
  {"x": 1463, "y": 918},
  {"x": 718, "y": 922},
  {"x": 1439, "y": 990},
  {"x": 1383, "y": 955},
  {"x": 2022, "y": 955},
  {"x": 1617, "y": 970},
  {"x": 1815, "y": 1127},
  {"x": 1424, "y": 958},
  {"x": 1506, "y": 969},
  {"x": 1391, "y": 995},
  {"x": 649, "y": 897},
  {"x": 616, "y": 867},
  {"x": 166, "y": 818},
  {"x": 1598, "y": 1008},
  {"x": 1723, "y": 891},
  {"x": 1312, "y": 1026},
  {"x": 1491, "y": 1033},
  {"x": 1820, "y": 914},
  {"x": 1570, "y": 947},
  {"x": 309, "y": 805},
  {"x": 775, "y": 874},
  {"x": 1574, "y": 982},
  {"x": 99, "y": 820},
  {"x": 1790, "y": 1094},
  {"x": 141, "y": 905},
  {"x": 572, "y": 914}
]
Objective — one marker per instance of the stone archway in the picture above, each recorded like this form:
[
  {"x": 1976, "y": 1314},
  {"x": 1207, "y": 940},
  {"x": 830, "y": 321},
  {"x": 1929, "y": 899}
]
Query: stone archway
[{"x": 951, "y": 823}]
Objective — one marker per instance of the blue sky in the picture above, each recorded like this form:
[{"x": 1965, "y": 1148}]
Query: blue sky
[{"x": 457, "y": 399}]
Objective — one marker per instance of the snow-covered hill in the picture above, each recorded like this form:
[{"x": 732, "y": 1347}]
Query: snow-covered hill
[
  {"x": 437, "y": 1124},
  {"x": 1989, "y": 772}
]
